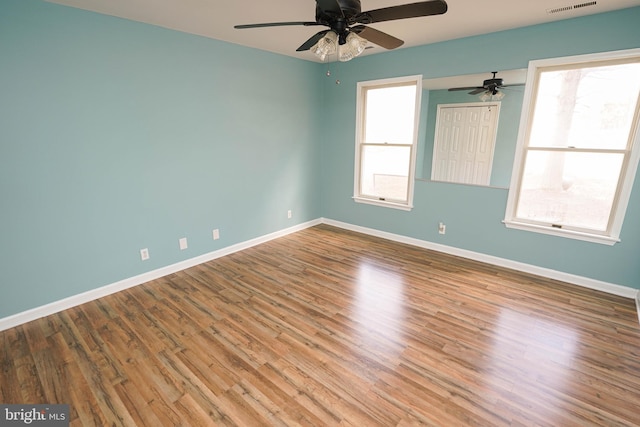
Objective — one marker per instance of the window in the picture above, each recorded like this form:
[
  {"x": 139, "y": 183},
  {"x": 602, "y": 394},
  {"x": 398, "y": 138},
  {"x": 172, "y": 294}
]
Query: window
[
  {"x": 387, "y": 114},
  {"x": 464, "y": 142},
  {"x": 578, "y": 148}
]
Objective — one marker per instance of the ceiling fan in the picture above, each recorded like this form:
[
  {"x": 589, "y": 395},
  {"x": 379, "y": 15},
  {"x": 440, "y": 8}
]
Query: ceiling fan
[
  {"x": 490, "y": 86},
  {"x": 348, "y": 32}
]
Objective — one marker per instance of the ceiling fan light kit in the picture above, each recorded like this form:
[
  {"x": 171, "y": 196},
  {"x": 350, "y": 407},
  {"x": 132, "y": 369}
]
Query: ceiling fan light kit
[
  {"x": 354, "y": 45},
  {"x": 330, "y": 44},
  {"x": 489, "y": 91},
  {"x": 326, "y": 46},
  {"x": 347, "y": 35},
  {"x": 491, "y": 96}
]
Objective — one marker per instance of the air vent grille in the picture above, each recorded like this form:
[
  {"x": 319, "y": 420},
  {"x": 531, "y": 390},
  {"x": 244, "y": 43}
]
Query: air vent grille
[{"x": 572, "y": 7}]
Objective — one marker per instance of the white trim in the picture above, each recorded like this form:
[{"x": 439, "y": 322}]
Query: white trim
[
  {"x": 586, "y": 282},
  {"x": 75, "y": 300},
  {"x": 437, "y": 140},
  {"x": 587, "y": 237},
  {"x": 361, "y": 87},
  {"x": 383, "y": 203},
  {"x": 628, "y": 173}
]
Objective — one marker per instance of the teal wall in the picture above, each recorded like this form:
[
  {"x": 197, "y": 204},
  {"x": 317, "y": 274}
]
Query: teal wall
[
  {"x": 117, "y": 136},
  {"x": 473, "y": 215}
]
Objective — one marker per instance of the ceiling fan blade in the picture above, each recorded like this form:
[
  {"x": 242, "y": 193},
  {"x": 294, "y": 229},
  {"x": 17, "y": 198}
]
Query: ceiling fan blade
[
  {"x": 465, "y": 88},
  {"x": 378, "y": 37},
  {"x": 331, "y": 7},
  {"x": 313, "y": 40},
  {"x": 478, "y": 90},
  {"x": 274, "y": 24},
  {"x": 412, "y": 10},
  {"x": 512, "y": 85}
]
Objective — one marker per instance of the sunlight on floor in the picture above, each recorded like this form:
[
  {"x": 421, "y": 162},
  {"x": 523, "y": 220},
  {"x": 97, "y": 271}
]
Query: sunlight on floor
[
  {"x": 379, "y": 303},
  {"x": 536, "y": 356}
]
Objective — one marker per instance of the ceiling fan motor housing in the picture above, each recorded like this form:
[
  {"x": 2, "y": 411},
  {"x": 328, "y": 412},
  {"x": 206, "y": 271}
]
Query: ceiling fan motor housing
[
  {"x": 338, "y": 22},
  {"x": 346, "y": 19},
  {"x": 492, "y": 85},
  {"x": 492, "y": 82},
  {"x": 348, "y": 8}
]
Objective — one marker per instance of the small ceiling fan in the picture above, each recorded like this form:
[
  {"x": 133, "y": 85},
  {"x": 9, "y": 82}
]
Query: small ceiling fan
[
  {"x": 490, "y": 86},
  {"x": 348, "y": 30}
]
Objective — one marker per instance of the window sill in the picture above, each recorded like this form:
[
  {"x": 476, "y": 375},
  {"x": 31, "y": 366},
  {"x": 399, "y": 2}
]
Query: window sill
[
  {"x": 383, "y": 203},
  {"x": 570, "y": 234}
]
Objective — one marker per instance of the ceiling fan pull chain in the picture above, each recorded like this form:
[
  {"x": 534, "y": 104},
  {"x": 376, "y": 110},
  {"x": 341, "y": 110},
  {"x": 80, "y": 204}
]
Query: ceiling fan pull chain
[{"x": 328, "y": 73}]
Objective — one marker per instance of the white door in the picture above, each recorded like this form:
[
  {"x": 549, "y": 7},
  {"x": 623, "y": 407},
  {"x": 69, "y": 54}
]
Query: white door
[{"x": 464, "y": 142}]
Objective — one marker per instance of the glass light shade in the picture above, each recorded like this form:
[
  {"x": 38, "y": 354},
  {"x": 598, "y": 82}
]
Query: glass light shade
[
  {"x": 354, "y": 46},
  {"x": 488, "y": 96},
  {"x": 498, "y": 96},
  {"x": 326, "y": 45}
]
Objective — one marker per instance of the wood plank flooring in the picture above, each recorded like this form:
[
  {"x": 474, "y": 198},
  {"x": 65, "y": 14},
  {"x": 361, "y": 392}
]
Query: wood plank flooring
[{"x": 326, "y": 327}]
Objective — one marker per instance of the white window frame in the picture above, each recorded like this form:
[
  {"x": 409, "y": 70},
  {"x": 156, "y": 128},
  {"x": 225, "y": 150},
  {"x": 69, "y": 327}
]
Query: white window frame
[
  {"x": 362, "y": 87},
  {"x": 629, "y": 168}
]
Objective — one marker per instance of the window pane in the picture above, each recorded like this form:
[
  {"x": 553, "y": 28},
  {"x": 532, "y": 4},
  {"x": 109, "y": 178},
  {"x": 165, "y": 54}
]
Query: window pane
[
  {"x": 590, "y": 107},
  {"x": 390, "y": 113},
  {"x": 568, "y": 188},
  {"x": 385, "y": 171}
]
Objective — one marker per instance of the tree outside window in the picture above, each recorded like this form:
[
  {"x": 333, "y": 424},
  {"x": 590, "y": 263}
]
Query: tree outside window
[{"x": 576, "y": 151}]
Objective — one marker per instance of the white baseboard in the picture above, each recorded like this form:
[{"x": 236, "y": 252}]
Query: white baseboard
[
  {"x": 57, "y": 306},
  {"x": 586, "y": 282},
  {"x": 75, "y": 300}
]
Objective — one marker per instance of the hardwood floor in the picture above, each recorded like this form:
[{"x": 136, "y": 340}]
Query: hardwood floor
[{"x": 326, "y": 327}]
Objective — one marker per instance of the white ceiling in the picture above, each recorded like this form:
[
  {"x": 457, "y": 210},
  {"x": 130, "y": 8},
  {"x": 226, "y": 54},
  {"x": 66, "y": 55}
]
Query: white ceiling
[
  {"x": 216, "y": 18},
  {"x": 510, "y": 77}
]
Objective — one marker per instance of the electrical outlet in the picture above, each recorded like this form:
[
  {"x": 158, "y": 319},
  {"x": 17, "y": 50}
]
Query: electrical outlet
[
  {"x": 183, "y": 243},
  {"x": 442, "y": 229},
  {"x": 144, "y": 254},
  {"x": 289, "y": 215},
  {"x": 216, "y": 234}
]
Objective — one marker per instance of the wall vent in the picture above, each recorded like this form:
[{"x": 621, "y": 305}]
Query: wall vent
[{"x": 572, "y": 7}]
